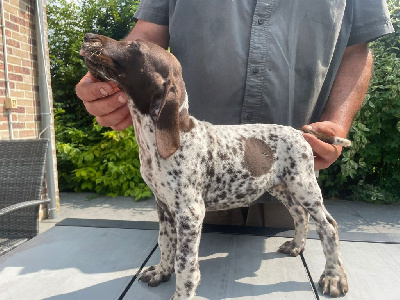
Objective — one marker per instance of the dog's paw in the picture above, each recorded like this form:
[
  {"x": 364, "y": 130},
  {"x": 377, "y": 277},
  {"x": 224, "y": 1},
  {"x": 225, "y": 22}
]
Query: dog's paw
[
  {"x": 334, "y": 285},
  {"x": 291, "y": 248},
  {"x": 178, "y": 296},
  {"x": 154, "y": 275}
]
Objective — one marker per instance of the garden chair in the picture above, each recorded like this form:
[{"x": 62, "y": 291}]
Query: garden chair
[{"x": 22, "y": 165}]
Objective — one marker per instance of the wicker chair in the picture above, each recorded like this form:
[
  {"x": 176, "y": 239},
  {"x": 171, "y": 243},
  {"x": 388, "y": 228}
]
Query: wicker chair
[{"x": 22, "y": 165}]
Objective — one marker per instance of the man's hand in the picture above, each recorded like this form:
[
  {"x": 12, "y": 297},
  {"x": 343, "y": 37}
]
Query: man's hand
[
  {"x": 325, "y": 154},
  {"x": 105, "y": 101}
]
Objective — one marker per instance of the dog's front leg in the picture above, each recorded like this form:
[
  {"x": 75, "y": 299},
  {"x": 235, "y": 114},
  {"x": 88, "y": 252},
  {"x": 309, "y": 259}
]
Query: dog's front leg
[
  {"x": 154, "y": 275},
  {"x": 189, "y": 222}
]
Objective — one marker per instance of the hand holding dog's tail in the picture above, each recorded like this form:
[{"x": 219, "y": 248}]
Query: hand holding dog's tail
[{"x": 333, "y": 140}]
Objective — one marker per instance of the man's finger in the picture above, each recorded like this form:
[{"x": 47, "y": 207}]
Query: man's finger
[
  {"x": 125, "y": 123},
  {"x": 329, "y": 128},
  {"x": 114, "y": 118},
  {"x": 105, "y": 106},
  {"x": 325, "y": 154},
  {"x": 321, "y": 148},
  {"x": 90, "y": 89}
]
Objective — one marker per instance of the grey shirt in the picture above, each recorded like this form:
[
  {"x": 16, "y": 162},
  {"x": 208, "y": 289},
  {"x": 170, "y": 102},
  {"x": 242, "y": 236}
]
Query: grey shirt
[{"x": 263, "y": 61}]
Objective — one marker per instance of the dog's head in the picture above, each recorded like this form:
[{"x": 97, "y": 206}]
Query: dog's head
[{"x": 149, "y": 75}]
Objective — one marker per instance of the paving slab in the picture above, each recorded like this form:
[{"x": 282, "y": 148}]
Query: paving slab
[
  {"x": 75, "y": 263},
  {"x": 383, "y": 218},
  {"x": 373, "y": 269},
  {"x": 355, "y": 216},
  {"x": 348, "y": 219},
  {"x": 238, "y": 267}
]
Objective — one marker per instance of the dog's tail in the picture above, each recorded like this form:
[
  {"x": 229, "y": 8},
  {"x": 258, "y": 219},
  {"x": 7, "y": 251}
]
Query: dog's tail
[{"x": 334, "y": 140}]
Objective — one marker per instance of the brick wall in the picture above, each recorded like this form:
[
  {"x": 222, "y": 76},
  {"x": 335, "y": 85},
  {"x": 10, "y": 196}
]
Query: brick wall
[{"x": 19, "y": 16}]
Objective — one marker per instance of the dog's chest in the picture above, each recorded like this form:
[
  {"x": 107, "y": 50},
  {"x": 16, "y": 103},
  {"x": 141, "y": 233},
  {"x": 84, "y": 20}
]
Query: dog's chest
[
  {"x": 145, "y": 137},
  {"x": 165, "y": 177}
]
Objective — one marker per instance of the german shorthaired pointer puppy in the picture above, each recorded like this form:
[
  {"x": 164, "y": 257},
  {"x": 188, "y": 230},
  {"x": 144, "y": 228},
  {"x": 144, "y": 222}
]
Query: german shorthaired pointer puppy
[{"x": 194, "y": 166}]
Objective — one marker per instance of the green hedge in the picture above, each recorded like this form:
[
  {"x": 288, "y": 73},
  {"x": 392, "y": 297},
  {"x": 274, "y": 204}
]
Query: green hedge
[{"x": 99, "y": 160}]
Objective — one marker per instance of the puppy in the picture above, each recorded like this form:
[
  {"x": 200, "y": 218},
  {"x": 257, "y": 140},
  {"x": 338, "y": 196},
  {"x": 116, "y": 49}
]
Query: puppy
[{"x": 193, "y": 166}]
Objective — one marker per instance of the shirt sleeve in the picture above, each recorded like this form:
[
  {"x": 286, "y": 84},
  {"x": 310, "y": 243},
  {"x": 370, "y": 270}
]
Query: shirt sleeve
[
  {"x": 154, "y": 11},
  {"x": 371, "y": 20}
]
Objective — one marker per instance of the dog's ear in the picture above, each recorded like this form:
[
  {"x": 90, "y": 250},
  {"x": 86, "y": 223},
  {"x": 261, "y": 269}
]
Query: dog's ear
[{"x": 164, "y": 111}]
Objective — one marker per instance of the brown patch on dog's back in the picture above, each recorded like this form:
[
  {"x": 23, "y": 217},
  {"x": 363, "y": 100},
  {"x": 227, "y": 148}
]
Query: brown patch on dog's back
[{"x": 258, "y": 157}]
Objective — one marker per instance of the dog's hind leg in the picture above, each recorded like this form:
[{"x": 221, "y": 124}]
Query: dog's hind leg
[
  {"x": 300, "y": 218},
  {"x": 154, "y": 275},
  {"x": 333, "y": 280}
]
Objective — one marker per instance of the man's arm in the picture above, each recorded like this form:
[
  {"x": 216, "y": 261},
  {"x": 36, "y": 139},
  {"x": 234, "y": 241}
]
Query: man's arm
[
  {"x": 103, "y": 99},
  {"x": 157, "y": 34},
  {"x": 345, "y": 99}
]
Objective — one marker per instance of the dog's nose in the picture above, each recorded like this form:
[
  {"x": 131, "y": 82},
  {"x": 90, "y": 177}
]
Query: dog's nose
[{"x": 89, "y": 36}]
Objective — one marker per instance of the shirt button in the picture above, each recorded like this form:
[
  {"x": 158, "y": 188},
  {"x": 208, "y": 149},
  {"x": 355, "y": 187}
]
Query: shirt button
[
  {"x": 249, "y": 116},
  {"x": 256, "y": 70},
  {"x": 261, "y": 21}
]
